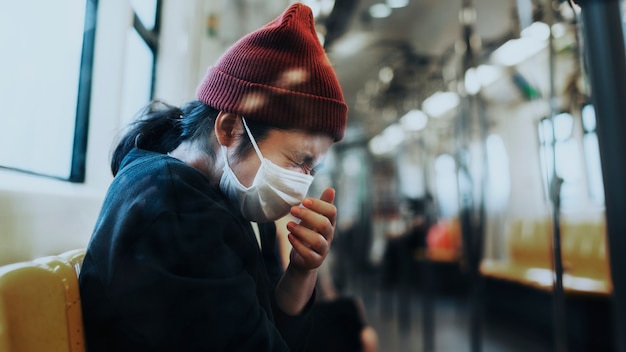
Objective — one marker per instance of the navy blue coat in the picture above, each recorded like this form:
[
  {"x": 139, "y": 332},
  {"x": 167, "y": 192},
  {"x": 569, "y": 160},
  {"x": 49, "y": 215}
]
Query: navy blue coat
[{"x": 171, "y": 266}]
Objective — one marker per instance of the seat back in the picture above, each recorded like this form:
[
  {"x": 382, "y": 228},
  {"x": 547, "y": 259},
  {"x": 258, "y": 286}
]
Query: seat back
[
  {"x": 4, "y": 333},
  {"x": 68, "y": 274},
  {"x": 75, "y": 258},
  {"x": 40, "y": 307},
  {"x": 529, "y": 243},
  {"x": 33, "y": 300},
  {"x": 584, "y": 249}
]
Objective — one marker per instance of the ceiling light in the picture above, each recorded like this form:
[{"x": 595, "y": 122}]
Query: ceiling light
[
  {"x": 378, "y": 146},
  {"x": 440, "y": 103},
  {"x": 467, "y": 16},
  {"x": 319, "y": 7},
  {"x": 472, "y": 81},
  {"x": 558, "y": 30},
  {"x": 350, "y": 44},
  {"x": 385, "y": 74},
  {"x": 326, "y": 6},
  {"x": 488, "y": 74},
  {"x": 537, "y": 31},
  {"x": 515, "y": 51},
  {"x": 393, "y": 134},
  {"x": 479, "y": 77},
  {"x": 387, "y": 141},
  {"x": 396, "y": 4},
  {"x": 380, "y": 11},
  {"x": 414, "y": 120}
]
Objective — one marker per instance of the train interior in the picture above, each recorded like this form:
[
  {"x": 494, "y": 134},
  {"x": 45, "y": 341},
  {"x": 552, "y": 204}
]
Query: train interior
[{"x": 471, "y": 184}]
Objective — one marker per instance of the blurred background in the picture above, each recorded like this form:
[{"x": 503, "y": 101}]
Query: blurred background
[{"x": 470, "y": 187}]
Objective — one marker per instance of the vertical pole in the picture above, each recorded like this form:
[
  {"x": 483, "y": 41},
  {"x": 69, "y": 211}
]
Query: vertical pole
[
  {"x": 472, "y": 186},
  {"x": 428, "y": 308},
  {"x": 558, "y": 296},
  {"x": 428, "y": 303},
  {"x": 604, "y": 49}
]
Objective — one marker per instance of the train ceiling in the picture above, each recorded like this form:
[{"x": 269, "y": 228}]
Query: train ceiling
[{"x": 388, "y": 66}]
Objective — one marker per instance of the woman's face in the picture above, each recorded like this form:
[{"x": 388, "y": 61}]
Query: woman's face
[{"x": 294, "y": 150}]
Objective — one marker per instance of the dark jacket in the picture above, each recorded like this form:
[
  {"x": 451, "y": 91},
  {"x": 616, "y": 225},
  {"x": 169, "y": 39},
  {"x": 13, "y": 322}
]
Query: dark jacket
[{"x": 172, "y": 267}]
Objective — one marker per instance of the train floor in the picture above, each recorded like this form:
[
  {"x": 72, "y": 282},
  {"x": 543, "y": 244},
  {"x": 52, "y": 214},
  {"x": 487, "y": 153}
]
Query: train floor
[{"x": 406, "y": 318}]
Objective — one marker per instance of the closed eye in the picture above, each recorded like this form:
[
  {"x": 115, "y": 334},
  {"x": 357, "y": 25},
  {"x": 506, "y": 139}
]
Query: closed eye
[
  {"x": 316, "y": 169},
  {"x": 306, "y": 168},
  {"x": 305, "y": 162}
]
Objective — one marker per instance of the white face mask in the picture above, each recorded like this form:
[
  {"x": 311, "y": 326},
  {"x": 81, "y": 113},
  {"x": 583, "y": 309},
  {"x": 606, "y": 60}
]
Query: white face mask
[{"x": 272, "y": 193}]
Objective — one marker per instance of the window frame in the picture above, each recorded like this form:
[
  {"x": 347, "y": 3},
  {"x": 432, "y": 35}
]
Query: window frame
[
  {"x": 77, "y": 167},
  {"x": 151, "y": 38},
  {"x": 79, "y": 144},
  {"x": 81, "y": 129}
]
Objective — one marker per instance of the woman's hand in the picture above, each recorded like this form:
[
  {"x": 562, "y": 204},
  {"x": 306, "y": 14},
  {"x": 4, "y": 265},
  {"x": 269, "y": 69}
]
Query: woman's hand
[{"x": 311, "y": 238}]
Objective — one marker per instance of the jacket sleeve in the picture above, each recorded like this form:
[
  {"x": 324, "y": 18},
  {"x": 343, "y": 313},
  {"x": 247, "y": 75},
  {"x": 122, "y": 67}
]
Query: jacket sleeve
[
  {"x": 295, "y": 330},
  {"x": 160, "y": 276}
]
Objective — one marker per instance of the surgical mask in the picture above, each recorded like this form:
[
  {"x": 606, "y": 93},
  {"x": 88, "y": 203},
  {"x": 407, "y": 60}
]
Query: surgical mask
[{"x": 273, "y": 192}]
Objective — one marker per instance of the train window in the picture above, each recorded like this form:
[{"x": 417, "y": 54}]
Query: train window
[
  {"x": 560, "y": 155},
  {"x": 446, "y": 185},
  {"x": 138, "y": 67},
  {"x": 141, "y": 54},
  {"x": 588, "y": 114},
  {"x": 45, "y": 85},
  {"x": 498, "y": 172},
  {"x": 563, "y": 127},
  {"x": 592, "y": 155},
  {"x": 146, "y": 11},
  {"x": 546, "y": 152}
]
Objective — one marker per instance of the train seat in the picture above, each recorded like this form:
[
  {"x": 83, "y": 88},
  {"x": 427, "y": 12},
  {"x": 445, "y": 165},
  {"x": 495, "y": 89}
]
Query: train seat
[
  {"x": 584, "y": 258},
  {"x": 528, "y": 255},
  {"x": 529, "y": 262},
  {"x": 529, "y": 244},
  {"x": 40, "y": 306},
  {"x": 75, "y": 258}
]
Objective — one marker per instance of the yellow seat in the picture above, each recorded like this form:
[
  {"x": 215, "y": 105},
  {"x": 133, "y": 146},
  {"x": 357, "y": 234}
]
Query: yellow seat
[
  {"x": 68, "y": 273},
  {"x": 40, "y": 306},
  {"x": 529, "y": 244},
  {"x": 75, "y": 258},
  {"x": 529, "y": 259},
  {"x": 584, "y": 258},
  {"x": 530, "y": 262},
  {"x": 4, "y": 334}
]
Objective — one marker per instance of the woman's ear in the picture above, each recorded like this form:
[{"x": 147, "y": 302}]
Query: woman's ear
[{"x": 228, "y": 127}]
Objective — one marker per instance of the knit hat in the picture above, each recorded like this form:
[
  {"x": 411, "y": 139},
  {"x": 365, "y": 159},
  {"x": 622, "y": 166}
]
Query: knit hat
[{"x": 279, "y": 75}]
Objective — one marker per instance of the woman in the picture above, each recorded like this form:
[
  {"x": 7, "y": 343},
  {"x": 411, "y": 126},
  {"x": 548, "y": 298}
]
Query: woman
[
  {"x": 339, "y": 320},
  {"x": 174, "y": 263}
]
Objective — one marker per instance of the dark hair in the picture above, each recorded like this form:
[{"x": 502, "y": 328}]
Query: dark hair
[{"x": 160, "y": 127}]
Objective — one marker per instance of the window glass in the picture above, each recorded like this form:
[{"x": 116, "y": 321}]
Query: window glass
[
  {"x": 40, "y": 84},
  {"x": 137, "y": 76},
  {"x": 589, "y": 118},
  {"x": 569, "y": 167},
  {"x": 446, "y": 185},
  {"x": 546, "y": 153},
  {"x": 592, "y": 155},
  {"x": 498, "y": 172},
  {"x": 563, "y": 126},
  {"x": 594, "y": 168},
  {"x": 561, "y": 155},
  {"x": 546, "y": 133},
  {"x": 146, "y": 11}
]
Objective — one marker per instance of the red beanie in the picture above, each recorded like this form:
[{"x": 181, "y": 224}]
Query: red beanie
[{"x": 279, "y": 75}]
